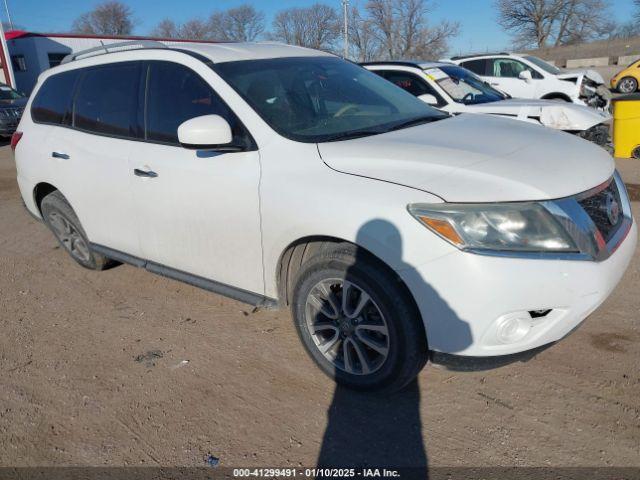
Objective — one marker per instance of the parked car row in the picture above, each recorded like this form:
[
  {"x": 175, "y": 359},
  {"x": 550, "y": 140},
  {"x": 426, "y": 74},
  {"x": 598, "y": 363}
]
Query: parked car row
[
  {"x": 454, "y": 89},
  {"x": 283, "y": 176}
]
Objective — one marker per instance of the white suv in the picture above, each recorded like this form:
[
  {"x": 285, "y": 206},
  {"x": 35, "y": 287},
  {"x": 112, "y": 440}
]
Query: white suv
[
  {"x": 527, "y": 76},
  {"x": 278, "y": 175}
]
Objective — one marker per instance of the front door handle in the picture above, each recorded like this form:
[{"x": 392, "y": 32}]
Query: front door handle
[
  {"x": 145, "y": 173},
  {"x": 63, "y": 156}
]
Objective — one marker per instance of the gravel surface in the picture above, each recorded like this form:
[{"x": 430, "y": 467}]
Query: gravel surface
[{"x": 126, "y": 368}]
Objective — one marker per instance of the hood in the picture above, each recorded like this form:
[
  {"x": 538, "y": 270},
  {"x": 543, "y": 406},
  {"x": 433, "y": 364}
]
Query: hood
[
  {"x": 473, "y": 158},
  {"x": 561, "y": 116},
  {"x": 578, "y": 74}
]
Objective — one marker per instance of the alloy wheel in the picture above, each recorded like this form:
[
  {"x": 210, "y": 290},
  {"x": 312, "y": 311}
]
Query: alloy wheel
[
  {"x": 69, "y": 236},
  {"x": 627, "y": 85},
  {"x": 347, "y": 326}
]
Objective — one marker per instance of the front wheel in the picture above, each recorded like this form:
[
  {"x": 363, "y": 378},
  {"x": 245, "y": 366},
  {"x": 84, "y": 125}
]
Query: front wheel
[
  {"x": 627, "y": 85},
  {"x": 358, "y": 321}
]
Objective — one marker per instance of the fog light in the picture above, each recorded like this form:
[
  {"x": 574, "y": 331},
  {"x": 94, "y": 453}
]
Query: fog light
[{"x": 513, "y": 329}]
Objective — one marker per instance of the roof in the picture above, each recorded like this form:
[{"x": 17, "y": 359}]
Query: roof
[
  {"x": 217, "y": 52},
  {"x": 229, "y": 52},
  {"x": 474, "y": 55},
  {"x": 417, "y": 64}
]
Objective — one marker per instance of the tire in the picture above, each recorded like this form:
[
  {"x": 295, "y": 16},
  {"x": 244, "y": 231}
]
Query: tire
[
  {"x": 394, "y": 348},
  {"x": 63, "y": 222},
  {"x": 627, "y": 85}
]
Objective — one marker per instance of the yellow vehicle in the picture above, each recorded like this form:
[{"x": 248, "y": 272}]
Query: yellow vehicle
[{"x": 627, "y": 80}]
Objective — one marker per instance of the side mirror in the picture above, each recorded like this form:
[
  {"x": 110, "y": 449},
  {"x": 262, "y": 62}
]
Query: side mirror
[
  {"x": 526, "y": 76},
  {"x": 208, "y": 132},
  {"x": 429, "y": 99}
]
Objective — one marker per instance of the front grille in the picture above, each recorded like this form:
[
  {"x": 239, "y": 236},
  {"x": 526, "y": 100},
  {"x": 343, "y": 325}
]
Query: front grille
[
  {"x": 605, "y": 209},
  {"x": 13, "y": 113}
]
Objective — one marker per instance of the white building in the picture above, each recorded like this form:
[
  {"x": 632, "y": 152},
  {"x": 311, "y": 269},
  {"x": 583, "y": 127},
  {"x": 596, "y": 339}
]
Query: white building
[{"x": 32, "y": 53}]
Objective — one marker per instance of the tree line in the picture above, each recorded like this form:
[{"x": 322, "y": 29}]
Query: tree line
[{"x": 378, "y": 29}]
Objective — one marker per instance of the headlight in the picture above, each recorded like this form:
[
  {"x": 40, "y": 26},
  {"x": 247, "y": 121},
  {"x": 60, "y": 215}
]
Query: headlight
[{"x": 519, "y": 227}]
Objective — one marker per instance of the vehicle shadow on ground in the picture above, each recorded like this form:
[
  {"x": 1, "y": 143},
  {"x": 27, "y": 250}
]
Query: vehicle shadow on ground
[{"x": 368, "y": 430}]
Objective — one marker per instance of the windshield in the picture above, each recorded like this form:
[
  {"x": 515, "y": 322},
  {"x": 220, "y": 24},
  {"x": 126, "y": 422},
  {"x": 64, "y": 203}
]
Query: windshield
[
  {"x": 463, "y": 86},
  {"x": 547, "y": 67},
  {"x": 319, "y": 99},
  {"x": 8, "y": 93}
]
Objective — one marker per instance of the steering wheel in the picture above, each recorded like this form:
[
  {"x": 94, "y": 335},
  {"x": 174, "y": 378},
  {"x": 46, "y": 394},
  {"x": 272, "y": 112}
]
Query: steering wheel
[
  {"x": 468, "y": 96},
  {"x": 345, "y": 109}
]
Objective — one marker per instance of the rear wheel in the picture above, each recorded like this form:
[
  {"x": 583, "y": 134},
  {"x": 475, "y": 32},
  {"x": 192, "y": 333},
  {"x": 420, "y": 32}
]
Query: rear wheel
[
  {"x": 627, "y": 85},
  {"x": 358, "y": 321},
  {"x": 63, "y": 222}
]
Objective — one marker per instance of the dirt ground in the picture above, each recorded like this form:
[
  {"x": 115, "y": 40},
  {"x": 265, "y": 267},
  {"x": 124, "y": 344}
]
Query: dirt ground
[{"x": 126, "y": 368}]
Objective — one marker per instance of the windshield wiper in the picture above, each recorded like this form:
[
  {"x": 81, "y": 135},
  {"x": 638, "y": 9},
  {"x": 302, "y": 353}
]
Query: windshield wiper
[
  {"x": 351, "y": 135},
  {"x": 417, "y": 121}
]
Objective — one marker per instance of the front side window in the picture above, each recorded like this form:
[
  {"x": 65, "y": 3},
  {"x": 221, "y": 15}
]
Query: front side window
[
  {"x": 463, "y": 86},
  {"x": 318, "y": 99},
  {"x": 176, "y": 94},
  {"x": 52, "y": 103},
  {"x": 509, "y": 68},
  {"x": 410, "y": 82},
  {"x": 107, "y": 99}
]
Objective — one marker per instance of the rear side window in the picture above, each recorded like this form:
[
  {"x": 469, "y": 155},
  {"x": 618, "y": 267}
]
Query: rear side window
[
  {"x": 52, "y": 103},
  {"x": 479, "y": 67},
  {"x": 107, "y": 100},
  {"x": 175, "y": 94}
]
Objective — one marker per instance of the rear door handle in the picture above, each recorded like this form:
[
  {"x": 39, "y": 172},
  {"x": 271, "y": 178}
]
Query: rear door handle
[
  {"x": 63, "y": 156},
  {"x": 145, "y": 173}
]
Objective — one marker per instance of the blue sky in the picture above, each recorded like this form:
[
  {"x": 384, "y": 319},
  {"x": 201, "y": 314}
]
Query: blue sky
[{"x": 479, "y": 30}]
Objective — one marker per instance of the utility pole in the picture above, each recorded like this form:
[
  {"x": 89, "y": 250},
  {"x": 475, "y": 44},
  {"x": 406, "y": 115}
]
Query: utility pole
[
  {"x": 6, "y": 7},
  {"x": 345, "y": 7}
]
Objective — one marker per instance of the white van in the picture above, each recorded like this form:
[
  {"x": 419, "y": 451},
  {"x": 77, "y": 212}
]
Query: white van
[{"x": 279, "y": 175}]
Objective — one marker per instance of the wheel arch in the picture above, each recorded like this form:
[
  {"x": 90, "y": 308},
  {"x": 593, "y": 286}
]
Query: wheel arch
[
  {"x": 299, "y": 251},
  {"x": 557, "y": 96},
  {"x": 40, "y": 191}
]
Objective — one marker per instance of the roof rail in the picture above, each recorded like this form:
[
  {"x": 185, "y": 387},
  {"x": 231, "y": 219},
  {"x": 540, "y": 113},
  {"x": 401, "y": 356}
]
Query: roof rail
[
  {"x": 471, "y": 55},
  {"x": 112, "y": 47}
]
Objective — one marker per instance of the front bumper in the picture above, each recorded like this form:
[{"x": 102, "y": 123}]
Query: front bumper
[
  {"x": 465, "y": 298},
  {"x": 479, "y": 305}
]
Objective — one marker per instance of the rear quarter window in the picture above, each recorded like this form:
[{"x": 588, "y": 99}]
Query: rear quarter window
[{"x": 52, "y": 103}]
